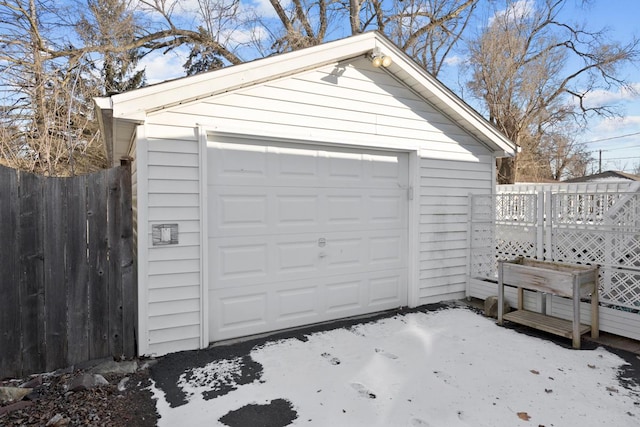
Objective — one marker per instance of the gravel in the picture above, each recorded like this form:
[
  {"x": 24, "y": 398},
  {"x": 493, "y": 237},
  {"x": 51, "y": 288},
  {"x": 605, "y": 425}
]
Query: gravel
[{"x": 125, "y": 401}]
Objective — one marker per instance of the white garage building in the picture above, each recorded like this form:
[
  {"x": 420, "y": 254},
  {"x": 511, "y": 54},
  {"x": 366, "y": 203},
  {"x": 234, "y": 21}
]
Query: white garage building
[{"x": 296, "y": 189}]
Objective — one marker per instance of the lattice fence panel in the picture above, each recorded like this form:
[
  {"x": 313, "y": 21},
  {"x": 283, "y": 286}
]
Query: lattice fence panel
[
  {"x": 515, "y": 240},
  {"x": 516, "y": 208},
  {"x": 483, "y": 256},
  {"x": 623, "y": 289},
  {"x": 515, "y": 234},
  {"x": 579, "y": 246},
  {"x": 482, "y": 238},
  {"x": 603, "y": 229}
]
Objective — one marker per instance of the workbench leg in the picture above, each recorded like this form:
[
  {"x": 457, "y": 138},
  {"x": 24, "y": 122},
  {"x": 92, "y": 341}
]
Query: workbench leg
[
  {"x": 595, "y": 313},
  {"x": 500, "y": 296},
  {"x": 576, "y": 314},
  {"x": 520, "y": 299}
]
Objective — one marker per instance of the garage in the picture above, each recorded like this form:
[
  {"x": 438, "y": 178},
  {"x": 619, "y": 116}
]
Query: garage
[
  {"x": 303, "y": 234},
  {"x": 300, "y": 188}
]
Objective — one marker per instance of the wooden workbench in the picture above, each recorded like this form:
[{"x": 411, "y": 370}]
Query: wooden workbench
[{"x": 565, "y": 280}]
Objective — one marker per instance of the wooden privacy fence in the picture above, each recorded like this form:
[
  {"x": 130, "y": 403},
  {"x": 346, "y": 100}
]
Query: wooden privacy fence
[{"x": 67, "y": 279}]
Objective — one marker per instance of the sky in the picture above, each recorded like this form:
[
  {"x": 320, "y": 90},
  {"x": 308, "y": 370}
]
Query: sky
[
  {"x": 614, "y": 144},
  {"x": 449, "y": 368},
  {"x": 618, "y": 153}
]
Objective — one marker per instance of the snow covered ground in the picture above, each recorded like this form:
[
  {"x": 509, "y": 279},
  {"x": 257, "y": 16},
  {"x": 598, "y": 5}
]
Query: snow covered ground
[{"x": 444, "y": 368}]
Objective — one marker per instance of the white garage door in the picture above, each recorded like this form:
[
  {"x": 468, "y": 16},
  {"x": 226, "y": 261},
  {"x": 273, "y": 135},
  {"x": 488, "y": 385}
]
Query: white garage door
[{"x": 303, "y": 234}]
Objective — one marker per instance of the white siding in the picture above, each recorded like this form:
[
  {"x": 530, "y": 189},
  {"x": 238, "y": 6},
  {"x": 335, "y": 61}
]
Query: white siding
[
  {"x": 173, "y": 281},
  {"x": 351, "y": 104},
  {"x": 444, "y": 189},
  {"x": 361, "y": 106}
]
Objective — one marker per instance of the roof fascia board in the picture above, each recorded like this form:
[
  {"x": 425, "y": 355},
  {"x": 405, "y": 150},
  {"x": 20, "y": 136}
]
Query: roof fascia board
[{"x": 137, "y": 103}]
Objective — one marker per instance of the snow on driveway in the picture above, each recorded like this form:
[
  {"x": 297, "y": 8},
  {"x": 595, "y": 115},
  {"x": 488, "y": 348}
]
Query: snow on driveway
[{"x": 444, "y": 368}]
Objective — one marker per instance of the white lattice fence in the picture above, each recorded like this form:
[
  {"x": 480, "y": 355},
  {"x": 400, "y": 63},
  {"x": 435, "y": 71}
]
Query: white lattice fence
[
  {"x": 603, "y": 229},
  {"x": 502, "y": 227},
  {"x": 584, "y": 228}
]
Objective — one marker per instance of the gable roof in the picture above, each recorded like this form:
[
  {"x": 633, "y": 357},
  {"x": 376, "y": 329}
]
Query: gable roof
[{"x": 119, "y": 114}]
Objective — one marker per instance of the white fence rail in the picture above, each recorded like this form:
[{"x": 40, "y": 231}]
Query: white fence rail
[{"x": 582, "y": 227}]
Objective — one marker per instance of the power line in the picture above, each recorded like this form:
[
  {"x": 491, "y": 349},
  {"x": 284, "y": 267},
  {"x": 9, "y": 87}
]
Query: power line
[
  {"x": 620, "y": 158},
  {"x": 623, "y": 148},
  {"x": 608, "y": 139},
  {"x": 626, "y": 147}
]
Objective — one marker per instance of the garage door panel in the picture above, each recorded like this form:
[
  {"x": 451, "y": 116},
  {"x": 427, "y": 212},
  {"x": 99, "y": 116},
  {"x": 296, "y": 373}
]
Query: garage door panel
[
  {"x": 343, "y": 296},
  {"x": 388, "y": 209},
  {"x": 303, "y": 234},
  {"x": 345, "y": 252},
  {"x": 242, "y": 260},
  {"x": 253, "y": 164},
  {"x": 298, "y": 304},
  {"x": 297, "y": 210},
  {"x": 345, "y": 168},
  {"x": 239, "y": 211},
  {"x": 297, "y": 257},
  {"x": 295, "y": 163},
  {"x": 264, "y": 308},
  {"x": 384, "y": 291},
  {"x": 387, "y": 169},
  {"x": 241, "y": 312},
  {"x": 344, "y": 209},
  {"x": 249, "y": 260},
  {"x": 238, "y": 163},
  {"x": 260, "y": 210},
  {"x": 386, "y": 250}
]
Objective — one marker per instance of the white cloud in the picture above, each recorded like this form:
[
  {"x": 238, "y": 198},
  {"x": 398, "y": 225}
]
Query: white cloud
[
  {"x": 264, "y": 8},
  {"x": 454, "y": 60},
  {"x": 607, "y": 97},
  {"x": 161, "y": 67},
  {"x": 617, "y": 125},
  {"x": 514, "y": 11}
]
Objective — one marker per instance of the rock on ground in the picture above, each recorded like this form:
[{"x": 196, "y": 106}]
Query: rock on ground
[{"x": 110, "y": 402}]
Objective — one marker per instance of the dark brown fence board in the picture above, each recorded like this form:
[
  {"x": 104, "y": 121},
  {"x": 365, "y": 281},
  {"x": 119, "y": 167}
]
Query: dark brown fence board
[
  {"x": 115, "y": 286},
  {"x": 128, "y": 272},
  {"x": 77, "y": 271},
  {"x": 9, "y": 277},
  {"x": 98, "y": 251},
  {"x": 31, "y": 270},
  {"x": 55, "y": 239},
  {"x": 67, "y": 278}
]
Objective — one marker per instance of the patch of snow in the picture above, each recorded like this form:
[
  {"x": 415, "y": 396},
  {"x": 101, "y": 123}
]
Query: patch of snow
[
  {"x": 212, "y": 376},
  {"x": 446, "y": 368}
]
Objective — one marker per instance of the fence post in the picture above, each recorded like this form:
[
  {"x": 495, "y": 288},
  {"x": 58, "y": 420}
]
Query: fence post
[
  {"x": 540, "y": 225},
  {"x": 548, "y": 226}
]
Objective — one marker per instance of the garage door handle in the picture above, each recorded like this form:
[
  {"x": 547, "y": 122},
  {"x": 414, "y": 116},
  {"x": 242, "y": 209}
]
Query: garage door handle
[{"x": 322, "y": 254}]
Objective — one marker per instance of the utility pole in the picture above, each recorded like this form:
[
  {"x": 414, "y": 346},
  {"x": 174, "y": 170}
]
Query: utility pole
[{"x": 599, "y": 161}]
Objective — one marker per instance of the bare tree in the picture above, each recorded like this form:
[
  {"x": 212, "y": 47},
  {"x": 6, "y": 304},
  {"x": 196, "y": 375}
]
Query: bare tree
[
  {"x": 428, "y": 30},
  {"x": 104, "y": 26},
  {"x": 44, "y": 115},
  {"x": 533, "y": 71},
  {"x": 55, "y": 58}
]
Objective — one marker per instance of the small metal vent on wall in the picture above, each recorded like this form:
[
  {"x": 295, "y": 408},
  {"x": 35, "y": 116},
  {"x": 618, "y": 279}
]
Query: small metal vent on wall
[{"x": 164, "y": 234}]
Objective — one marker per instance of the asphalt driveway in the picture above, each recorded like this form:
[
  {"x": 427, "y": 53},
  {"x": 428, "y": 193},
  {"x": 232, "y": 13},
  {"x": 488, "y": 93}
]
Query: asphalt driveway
[{"x": 442, "y": 365}]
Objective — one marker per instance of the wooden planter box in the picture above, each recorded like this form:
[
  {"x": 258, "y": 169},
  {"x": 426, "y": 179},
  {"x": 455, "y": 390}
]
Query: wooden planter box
[{"x": 565, "y": 280}]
